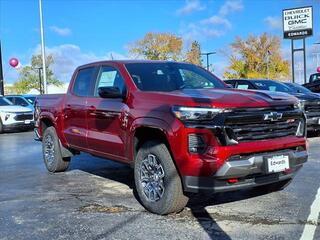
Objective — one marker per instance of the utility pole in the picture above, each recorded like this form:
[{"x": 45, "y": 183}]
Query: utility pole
[
  {"x": 45, "y": 88},
  {"x": 208, "y": 54},
  {"x": 1, "y": 74}
]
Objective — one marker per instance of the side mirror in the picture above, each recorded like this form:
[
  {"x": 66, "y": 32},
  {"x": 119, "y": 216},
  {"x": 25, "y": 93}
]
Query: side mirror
[{"x": 110, "y": 92}]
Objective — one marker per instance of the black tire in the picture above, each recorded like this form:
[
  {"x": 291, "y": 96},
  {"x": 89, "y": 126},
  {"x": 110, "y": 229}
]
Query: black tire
[
  {"x": 173, "y": 199},
  {"x": 51, "y": 147}
]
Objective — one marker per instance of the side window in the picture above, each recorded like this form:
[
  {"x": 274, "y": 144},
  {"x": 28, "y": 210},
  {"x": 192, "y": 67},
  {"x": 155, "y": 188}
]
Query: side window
[
  {"x": 244, "y": 85},
  {"x": 109, "y": 77},
  {"x": 82, "y": 82}
]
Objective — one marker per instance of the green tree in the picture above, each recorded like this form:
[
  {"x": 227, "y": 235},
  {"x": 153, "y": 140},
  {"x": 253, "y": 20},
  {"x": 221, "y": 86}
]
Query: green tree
[
  {"x": 29, "y": 75},
  {"x": 257, "y": 57},
  {"x": 158, "y": 46},
  {"x": 194, "y": 54}
]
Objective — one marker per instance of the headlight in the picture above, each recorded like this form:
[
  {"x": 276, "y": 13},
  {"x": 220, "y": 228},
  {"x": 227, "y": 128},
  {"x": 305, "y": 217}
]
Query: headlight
[
  {"x": 196, "y": 113},
  {"x": 301, "y": 104}
]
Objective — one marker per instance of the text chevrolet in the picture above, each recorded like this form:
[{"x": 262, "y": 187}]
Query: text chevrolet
[{"x": 180, "y": 128}]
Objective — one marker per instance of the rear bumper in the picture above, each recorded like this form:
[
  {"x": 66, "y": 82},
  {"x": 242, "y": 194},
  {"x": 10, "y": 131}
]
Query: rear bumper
[{"x": 250, "y": 171}]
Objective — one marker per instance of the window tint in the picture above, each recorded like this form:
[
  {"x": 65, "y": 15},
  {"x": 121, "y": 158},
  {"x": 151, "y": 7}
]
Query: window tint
[
  {"x": 244, "y": 85},
  {"x": 171, "y": 76},
  {"x": 271, "y": 86},
  {"x": 82, "y": 82},
  {"x": 20, "y": 101},
  {"x": 4, "y": 102},
  {"x": 109, "y": 77}
]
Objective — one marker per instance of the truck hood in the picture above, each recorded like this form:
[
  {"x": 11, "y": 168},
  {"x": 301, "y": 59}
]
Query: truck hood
[
  {"x": 228, "y": 98},
  {"x": 14, "y": 109}
]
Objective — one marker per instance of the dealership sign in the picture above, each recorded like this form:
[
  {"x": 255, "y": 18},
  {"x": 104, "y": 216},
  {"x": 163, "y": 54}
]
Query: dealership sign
[{"x": 297, "y": 22}]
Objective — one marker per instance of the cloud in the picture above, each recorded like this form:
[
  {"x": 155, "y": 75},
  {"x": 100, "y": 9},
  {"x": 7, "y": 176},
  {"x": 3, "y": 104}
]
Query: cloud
[
  {"x": 69, "y": 56},
  {"x": 274, "y": 23},
  {"x": 217, "y": 20},
  {"x": 61, "y": 31},
  {"x": 190, "y": 7},
  {"x": 230, "y": 7},
  {"x": 214, "y": 26}
]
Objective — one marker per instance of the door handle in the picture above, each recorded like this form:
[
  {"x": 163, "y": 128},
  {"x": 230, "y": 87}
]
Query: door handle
[
  {"x": 68, "y": 107},
  {"x": 92, "y": 108}
]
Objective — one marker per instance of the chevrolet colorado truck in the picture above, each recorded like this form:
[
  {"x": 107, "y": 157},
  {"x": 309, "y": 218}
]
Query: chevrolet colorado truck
[{"x": 181, "y": 129}]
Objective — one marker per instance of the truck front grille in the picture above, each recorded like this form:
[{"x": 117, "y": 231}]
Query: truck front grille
[
  {"x": 268, "y": 130},
  {"x": 22, "y": 117},
  {"x": 250, "y": 125},
  {"x": 312, "y": 109}
]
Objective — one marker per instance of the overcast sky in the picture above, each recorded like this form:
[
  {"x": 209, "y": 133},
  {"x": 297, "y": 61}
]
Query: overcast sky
[{"x": 81, "y": 31}]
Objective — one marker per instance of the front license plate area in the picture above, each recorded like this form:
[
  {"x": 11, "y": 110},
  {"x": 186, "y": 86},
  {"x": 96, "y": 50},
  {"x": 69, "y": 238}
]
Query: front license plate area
[
  {"x": 278, "y": 163},
  {"x": 27, "y": 121}
]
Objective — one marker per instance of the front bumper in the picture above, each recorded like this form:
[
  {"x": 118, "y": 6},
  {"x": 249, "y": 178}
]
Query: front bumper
[
  {"x": 18, "y": 125},
  {"x": 250, "y": 171}
]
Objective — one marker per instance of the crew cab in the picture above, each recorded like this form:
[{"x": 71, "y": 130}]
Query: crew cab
[
  {"x": 14, "y": 117},
  {"x": 314, "y": 83},
  {"x": 309, "y": 102},
  {"x": 180, "y": 127}
]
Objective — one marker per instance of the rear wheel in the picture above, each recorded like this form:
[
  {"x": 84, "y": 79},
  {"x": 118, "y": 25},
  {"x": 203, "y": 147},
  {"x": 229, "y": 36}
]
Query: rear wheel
[
  {"x": 52, "y": 152},
  {"x": 157, "y": 181}
]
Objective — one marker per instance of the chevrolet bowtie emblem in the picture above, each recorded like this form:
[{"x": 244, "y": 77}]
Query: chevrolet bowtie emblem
[{"x": 273, "y": 116}]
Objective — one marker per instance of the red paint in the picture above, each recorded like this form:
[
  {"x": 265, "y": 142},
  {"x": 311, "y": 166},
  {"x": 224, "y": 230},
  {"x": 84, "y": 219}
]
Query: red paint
[{"x": 95, "y": 125}]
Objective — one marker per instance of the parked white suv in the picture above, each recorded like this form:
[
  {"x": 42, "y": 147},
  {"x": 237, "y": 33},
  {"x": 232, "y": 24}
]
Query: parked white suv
[{"x": 14, "y": 117}]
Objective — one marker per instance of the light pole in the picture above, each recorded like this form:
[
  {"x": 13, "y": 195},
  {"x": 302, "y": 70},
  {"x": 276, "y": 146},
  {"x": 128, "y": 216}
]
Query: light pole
[
  {"x": 1, "y": 74},
  {"x": 317, "y": 54},
  {"x": 43, "y": 49},
  {"x": 208, "y": 54}
]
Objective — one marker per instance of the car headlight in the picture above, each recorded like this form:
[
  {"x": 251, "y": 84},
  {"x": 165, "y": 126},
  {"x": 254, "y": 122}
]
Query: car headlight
[
  {"x": 301, "y": 104},
  {"x": 196, "y": 113}
]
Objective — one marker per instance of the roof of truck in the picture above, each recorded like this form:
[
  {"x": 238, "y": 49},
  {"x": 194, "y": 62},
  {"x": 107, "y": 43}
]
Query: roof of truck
[{"x": 128, "y": 61}]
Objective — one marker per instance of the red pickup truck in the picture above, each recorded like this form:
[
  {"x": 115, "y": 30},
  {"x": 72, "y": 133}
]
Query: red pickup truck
[{"x": 180, "y": 127}]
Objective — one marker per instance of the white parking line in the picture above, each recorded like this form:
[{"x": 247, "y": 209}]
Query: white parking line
[{"x": 311, "y": 225}]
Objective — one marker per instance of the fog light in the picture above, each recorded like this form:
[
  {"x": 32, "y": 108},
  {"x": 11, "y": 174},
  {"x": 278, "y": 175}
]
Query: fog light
[
  {"x": 196, "y": 143},
  {"x": 6, "y": 117},
  {"x": 232, "y": 180}
]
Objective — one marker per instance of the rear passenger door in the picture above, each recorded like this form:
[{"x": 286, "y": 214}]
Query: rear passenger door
[
  {"x": 107, "y": 117},
  {"x": 75, "y": 109}
]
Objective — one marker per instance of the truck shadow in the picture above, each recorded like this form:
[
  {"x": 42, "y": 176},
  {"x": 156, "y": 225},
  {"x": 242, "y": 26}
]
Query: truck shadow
[{"x": 197, "y": 204}]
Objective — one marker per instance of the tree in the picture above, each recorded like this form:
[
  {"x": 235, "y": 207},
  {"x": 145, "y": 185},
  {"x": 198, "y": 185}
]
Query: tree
[
  {"x": 257, "y": 57},
  {"x": 29, "y": 75},
  {"x": 194, "y": 54},
  {"x": 158, "y": 46}
]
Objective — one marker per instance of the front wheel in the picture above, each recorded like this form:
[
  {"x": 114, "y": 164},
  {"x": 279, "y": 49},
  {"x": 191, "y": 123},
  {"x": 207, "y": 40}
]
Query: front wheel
[
  {"x": 157, "y": 181},
  {"x": 52, "y": 152}
]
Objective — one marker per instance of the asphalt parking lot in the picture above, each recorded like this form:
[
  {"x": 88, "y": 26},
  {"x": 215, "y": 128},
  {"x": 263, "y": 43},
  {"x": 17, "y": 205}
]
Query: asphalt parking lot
[{"x": 94, "y": 200}]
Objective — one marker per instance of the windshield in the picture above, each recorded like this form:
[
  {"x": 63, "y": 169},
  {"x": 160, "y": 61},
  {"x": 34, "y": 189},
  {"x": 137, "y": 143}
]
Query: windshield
[
  {"x": 298, "y": 88},
  {"x": 168, "y": 77},
  {"x": 30, "y": 99},
  {"x": 4, "y": 102},
  {"x": 271, "y": 86}
]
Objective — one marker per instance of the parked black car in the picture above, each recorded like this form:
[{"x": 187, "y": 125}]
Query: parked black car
[
  {"x": 309, "y": 101},
  {"x": 314, "y": 83}
]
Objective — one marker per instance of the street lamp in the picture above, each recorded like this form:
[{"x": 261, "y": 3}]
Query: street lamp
[
  {"x": 43, "y": 48},
  {"x": 317, "y": 54},
  {"x": 207, "y": 54}
]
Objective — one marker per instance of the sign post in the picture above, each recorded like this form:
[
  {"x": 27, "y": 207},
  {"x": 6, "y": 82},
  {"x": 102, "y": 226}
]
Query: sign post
[{"x": 297, "y": 25}]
